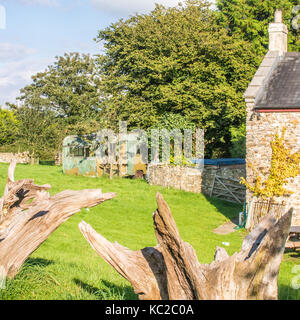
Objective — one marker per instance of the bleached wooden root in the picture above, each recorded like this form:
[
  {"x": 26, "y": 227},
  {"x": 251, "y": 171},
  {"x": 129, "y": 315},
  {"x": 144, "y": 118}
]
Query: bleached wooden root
[
  {"x": 28, "y": 215},
  {"x": 171, "y": 270}
]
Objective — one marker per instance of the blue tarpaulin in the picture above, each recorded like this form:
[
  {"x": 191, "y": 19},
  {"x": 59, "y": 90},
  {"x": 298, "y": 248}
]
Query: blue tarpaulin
[{"x": 219, "y": 162}]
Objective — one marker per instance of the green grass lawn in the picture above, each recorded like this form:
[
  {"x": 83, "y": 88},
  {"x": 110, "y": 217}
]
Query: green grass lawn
[{"x": 66, "y": 267}]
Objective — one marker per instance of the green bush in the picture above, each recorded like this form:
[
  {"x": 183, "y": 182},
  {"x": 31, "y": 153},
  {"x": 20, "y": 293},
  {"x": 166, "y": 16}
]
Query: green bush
[{"x": 238, "y": 141}]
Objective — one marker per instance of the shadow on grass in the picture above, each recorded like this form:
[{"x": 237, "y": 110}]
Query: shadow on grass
[
  {"x": 110, "y": 292},
  {"x": 288, "y": 293},
  {"x": 228, "y": 209},
  {"x": 32, "y": 262}
]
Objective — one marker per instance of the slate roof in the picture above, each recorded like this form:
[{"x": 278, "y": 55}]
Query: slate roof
[{"x": 282, "y": 90}]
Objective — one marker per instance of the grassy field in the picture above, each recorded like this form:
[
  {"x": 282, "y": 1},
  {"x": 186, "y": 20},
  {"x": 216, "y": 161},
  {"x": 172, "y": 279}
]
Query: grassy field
[{"x": 66, "y": 267}]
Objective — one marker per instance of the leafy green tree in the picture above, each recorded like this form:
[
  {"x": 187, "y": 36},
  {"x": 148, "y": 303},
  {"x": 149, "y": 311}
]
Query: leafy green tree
[
  {"x": 176, "y": 61},
  {"x": 8, "y": 127},
  {"x": 250, "y": 20},
  {"x": 64, "y": 99},
  {"x": 169, "y": 122},
  {"x": 84, "y": 127},
  {"x": 69, "y": 88},
  {"x": 238, "y": 140},
  {"x": 39, "y": 132}
]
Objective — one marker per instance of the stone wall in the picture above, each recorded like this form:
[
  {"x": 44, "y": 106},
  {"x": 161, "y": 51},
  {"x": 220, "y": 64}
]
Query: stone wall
[
  {"x": 21, "y": 157},
  {"x": 191, "y": 179},
  {"x": 182, "y": 178},
  {"x": 260, "y": 130}
]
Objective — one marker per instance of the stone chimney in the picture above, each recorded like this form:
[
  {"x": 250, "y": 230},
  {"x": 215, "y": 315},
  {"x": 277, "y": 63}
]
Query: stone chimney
[{"x": 278, "y": 32}]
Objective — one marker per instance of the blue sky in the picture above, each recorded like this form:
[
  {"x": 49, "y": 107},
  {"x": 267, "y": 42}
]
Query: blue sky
[{"x": 38, "y": 30}]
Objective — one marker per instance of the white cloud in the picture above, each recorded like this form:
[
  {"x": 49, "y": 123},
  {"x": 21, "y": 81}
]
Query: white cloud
[
  {"x": 130, "y": 6},
  {"x": 13, "y": 52},
  {"x": 16, "y": 70}
]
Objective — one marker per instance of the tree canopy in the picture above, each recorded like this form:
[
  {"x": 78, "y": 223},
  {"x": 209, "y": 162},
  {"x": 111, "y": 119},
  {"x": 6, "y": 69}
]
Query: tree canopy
[
  {"x": 38, "y": 132},
  {"x": 180, "y": 61},
  {"x": 69, "y": 88},
  {"x": 181, "y": 66},
  {"x": 62, "y": 100},
  {"x": 8, "y": 127},
  {"x": 250, "y": 19}
]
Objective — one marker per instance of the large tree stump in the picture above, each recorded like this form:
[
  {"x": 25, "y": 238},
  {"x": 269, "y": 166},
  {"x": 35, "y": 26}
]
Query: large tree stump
[
  {"x": 172, "y": 271},
  {"x": 28, "y": 215}
]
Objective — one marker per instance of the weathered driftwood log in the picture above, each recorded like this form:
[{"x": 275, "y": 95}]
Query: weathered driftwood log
[
  {"x": 28, "y": 215},
  {"x": 171, "y": 270}
]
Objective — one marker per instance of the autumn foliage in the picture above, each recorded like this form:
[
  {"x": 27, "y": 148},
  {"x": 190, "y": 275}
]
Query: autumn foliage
[{"x": 284, "y": 166}]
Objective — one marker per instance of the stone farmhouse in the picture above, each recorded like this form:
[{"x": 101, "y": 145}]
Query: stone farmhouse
[{"x": 273, "y": 102}]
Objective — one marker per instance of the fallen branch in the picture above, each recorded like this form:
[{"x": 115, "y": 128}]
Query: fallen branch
[
  {"x": 171, "y": 270},
  {"x": 28, "y": 215}
]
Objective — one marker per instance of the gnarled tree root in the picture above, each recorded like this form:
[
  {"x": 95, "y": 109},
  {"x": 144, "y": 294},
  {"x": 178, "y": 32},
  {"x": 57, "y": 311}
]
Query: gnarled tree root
[
  {"x": 171, "y": 270},
  {"x": 28, "y": 215}
]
